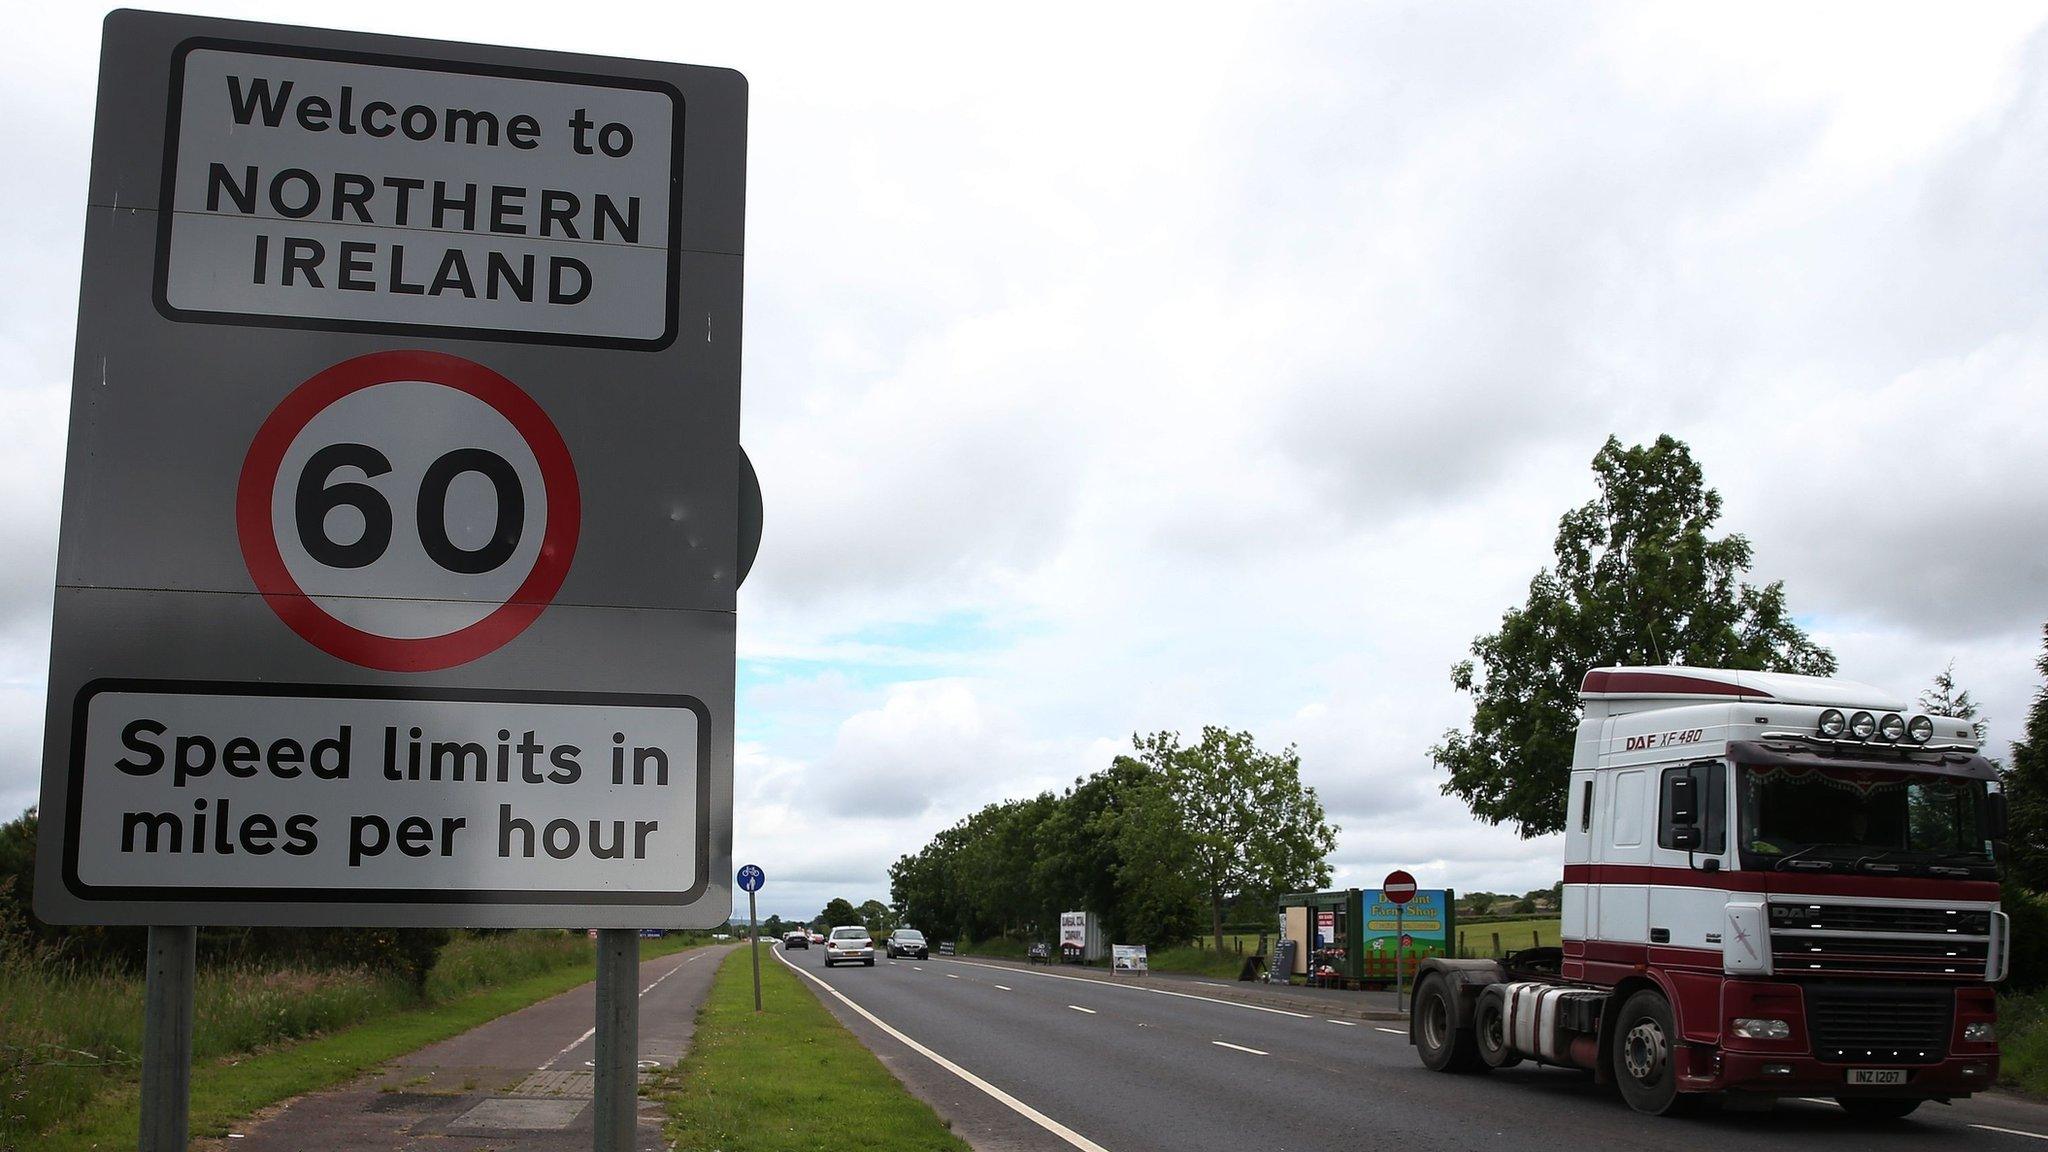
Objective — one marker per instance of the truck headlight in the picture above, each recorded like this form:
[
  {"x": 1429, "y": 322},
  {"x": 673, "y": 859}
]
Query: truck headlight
[
  {"x": 1980, "y": 1032},
  {"x": 1762, "y": 1028}
]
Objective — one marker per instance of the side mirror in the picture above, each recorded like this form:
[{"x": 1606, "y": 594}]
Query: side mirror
[
  {"x": 1686, "y": 837},
  {"x": 1998, "y": 816}
]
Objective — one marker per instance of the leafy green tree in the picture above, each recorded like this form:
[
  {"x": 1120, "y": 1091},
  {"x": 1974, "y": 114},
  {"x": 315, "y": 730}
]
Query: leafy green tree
[
  {"x": 1251, "y": 829},
  {"x": 2025, "y": 783},
  {"x": 1639, "y": 579},
  {"x": 1943, "y": 698},
  {"x": 839, "y": 913},
  {"x": 772, "y": 927},
  {"x": 1480, "y": 902},
  {"x": 877, "y": 918}
]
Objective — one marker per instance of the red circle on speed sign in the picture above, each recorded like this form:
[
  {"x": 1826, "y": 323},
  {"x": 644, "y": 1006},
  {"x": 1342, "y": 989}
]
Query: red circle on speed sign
[
  {"x": 1398, "y": 887},
  {"x": 376, "y": 600}
]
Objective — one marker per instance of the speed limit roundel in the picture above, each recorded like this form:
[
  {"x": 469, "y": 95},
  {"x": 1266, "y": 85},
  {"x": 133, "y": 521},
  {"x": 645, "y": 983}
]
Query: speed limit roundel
[{"x": 408, "y": 510}]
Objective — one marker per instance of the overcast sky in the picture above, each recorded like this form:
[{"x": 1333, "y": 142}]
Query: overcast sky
[{"x": 1114, "y": 369}]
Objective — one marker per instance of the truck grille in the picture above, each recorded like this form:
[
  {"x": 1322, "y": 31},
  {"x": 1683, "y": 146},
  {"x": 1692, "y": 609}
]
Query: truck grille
[
  {"x": 1934, "y": 956},
  {"x": 1855, "y": 1023},
  {"x": 1879, "y": 918}
]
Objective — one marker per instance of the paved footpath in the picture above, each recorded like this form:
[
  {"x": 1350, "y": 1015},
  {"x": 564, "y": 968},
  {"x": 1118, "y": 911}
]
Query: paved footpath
[{"x": 521, "y": 1083}]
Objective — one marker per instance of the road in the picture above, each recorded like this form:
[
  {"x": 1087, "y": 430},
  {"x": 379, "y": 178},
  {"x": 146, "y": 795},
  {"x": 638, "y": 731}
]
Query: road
[
  {"x": 1124, "y": 1068},
  {"x": 521, "y": 1083}
]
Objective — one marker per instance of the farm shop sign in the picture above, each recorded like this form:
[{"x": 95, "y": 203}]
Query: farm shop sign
[
  {"x": 336, "y": 190},
  {"x": 1425, "y": 919}
]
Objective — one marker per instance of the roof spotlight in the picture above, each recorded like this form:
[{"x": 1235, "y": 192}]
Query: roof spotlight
[
  {"x": 1920, "y": 730},
  {"x": 1832, "y": 723},
  {"x": 1862, "y": 725},
  {"x": 1891, "y": 728}
]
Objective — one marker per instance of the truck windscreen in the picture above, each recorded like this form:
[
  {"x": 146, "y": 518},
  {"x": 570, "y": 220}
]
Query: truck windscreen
[{"x": 1863, "y": 820}]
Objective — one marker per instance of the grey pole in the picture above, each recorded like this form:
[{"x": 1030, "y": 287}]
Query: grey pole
[
  {"x": 1400, "y": 913},
  {"x": 167, "y": 1038},
  {"x": 754, "y": 946},
  {"x": 617, "y": 1087}
]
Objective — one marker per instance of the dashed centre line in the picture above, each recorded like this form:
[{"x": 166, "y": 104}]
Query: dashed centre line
[
  {"x": 1238, "y": 1047},
  {"x": 1003, "y": 987},
  {"x": 1343, "y": 1023},
  {"x": 1392, "y": 1031},
  {"x": 2010, "y": 1131},
  {"x": 1078, "y": 1008},
  {"x": 951, "y": 976}
]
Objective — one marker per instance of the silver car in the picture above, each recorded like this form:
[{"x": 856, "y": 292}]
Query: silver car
[{"x": 851, "y": 944}]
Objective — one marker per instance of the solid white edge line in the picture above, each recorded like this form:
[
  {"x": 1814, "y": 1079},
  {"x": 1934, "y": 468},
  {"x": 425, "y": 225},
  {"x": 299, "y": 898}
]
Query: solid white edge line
[
  {"x": 1078, "y": 1008},
  {"x": 2010, "y": 1131},
  {"x": 1391, "y": 1031},
  {"x": 1004, "y": 1098},
  {"x": 1239, "y": 1047},
  {"x": 1154, "y": 991}
]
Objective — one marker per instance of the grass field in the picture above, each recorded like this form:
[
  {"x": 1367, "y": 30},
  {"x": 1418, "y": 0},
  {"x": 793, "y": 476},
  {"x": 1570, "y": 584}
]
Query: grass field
[
  {"x": 1477, "y": 939},
  {"x": 789, "y": 1079},
  {"x": 69, "y": 1041}
]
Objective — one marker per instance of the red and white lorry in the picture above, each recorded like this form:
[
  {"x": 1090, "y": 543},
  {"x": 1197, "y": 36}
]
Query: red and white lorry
[{"x": 1774, "y": 885}]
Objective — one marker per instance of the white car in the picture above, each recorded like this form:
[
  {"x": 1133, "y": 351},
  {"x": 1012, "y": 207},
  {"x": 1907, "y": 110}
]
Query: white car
[{"x": 851, "y": 944}]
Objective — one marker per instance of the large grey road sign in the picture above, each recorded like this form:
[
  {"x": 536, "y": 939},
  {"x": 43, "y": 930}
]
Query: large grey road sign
[{"x": 400, "y": 532}]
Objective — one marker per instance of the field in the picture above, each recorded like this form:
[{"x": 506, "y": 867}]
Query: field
[
  {"x": 788, "y": 1079},
  {"x": 70, "y": 1040},
  {"x": 1535, "y": 931}
]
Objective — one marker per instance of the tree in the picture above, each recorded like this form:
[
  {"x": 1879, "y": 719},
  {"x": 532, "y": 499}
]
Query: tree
[
  {"x": 1638, "y": 580},
  {"x": 839, "y": 913},
  {"x": 1479, "y": 902},
  {"x": 1945, "y": 699},
  {"x": 1251, "y": 828},
  {"x": 876, "y": 917},
  {"x": 2025, "y": 783}
]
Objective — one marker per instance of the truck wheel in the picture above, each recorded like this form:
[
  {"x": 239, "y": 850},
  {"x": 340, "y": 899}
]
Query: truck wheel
[
  {"x": 1443, "y": 1046},
  {"x": 1880, "y": 1108},
  {"x": 1645, "y": 1055},
  {"x": 1490, "y": 1030}
]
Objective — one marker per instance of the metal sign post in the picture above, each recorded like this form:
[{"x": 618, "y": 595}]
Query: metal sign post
[
  {"x": 167, "y": 1038},
  {"x": 1399, "y": 887},
  {"x": 751, "y": 878},
  {"x": 617, "y": 1083}
]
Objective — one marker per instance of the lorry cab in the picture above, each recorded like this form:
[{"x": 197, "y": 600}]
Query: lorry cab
[{"x": 1773, "y": 885}]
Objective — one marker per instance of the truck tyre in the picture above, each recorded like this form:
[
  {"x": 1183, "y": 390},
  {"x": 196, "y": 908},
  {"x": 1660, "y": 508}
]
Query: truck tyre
[
  {"x": 1645, "y": 1052},
  {"x": 1490, "y": 1030},
  {"x": 1879, "y": 1108},
  {"x": 1443, "y": 1046}
]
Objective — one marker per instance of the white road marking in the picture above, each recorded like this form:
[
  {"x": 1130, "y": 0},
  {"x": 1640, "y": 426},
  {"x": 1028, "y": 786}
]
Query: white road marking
[
  {"x": 1239, "y": 1047},
  {"x": 1011, "y": 1102},
  {"x": 589, "y": 1032},
  {"x": 1394, "y": 1031},
  {"x": 1819, "y": 1100},
  {"x": 1345, "y": 1023},
  {"x": 951, "y": 976},
  {"x": 1078, "y": 1008},
  {"x": 1004, "y": 987},
  {"x": 915, "y": 968},
  {"x": 2010, "y": 1131}
]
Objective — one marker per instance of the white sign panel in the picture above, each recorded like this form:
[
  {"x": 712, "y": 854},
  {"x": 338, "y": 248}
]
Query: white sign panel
[
  {"x": 332, "y": 189},
  {"x": 366, "y": 794},
  {"x": 1074, "y": 930}
]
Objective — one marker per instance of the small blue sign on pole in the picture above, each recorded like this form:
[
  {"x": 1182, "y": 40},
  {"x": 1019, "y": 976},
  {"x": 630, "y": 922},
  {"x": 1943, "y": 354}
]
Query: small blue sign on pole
[{"x": 751, "y": 878}]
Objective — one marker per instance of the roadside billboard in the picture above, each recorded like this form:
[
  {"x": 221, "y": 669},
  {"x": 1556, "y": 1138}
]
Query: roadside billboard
[
  {"x": 1129, "y": 958},
  {"x": 1426, "y": 920}
]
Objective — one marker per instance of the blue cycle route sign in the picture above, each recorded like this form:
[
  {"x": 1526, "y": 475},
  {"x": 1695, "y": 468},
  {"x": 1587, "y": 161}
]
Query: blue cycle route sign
[{"x": 751, "y": 878}]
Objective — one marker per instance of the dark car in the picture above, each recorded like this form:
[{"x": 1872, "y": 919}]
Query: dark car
[
  {"x": 797, "y": 940},
  {"x": 908, "y": 942}
]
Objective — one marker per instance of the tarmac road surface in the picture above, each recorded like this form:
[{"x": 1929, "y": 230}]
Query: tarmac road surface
[{"x": 1119, "y": 1066}]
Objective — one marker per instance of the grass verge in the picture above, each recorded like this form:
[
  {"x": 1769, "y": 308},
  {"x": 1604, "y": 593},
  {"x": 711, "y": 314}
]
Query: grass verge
[
  {"x": 229, "y": 1085},
  {"x": 2023, "y": 1049},
  {"x": 1196, "y": 961},
  {"x": 789, "y": 1079}
]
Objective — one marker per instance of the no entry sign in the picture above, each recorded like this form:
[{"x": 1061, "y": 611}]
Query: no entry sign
[
  {"x": 1398, "y": 887},
  {"x": 401, "y": 529}
]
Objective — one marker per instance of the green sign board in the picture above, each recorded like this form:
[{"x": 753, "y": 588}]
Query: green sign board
[{"x": 1428, "y": 919}]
